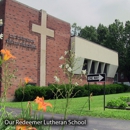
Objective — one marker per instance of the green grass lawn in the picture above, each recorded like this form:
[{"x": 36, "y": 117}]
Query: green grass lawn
[{"x": 79, "y": 106}]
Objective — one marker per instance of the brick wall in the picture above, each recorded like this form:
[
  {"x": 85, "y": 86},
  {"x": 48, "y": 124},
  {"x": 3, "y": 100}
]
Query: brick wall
[
  {"x": 18, "y": 21},
  {"x": 56, "y": 47}
]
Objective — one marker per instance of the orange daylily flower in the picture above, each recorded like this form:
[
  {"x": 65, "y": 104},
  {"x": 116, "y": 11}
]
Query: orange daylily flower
[
  {"x": 31, "y": 128},
  {"x": 4, "y": 51},
  {"x": 38, "y": 100},
  {"x": 27, "y": 80},
  {"x": 42, "y": 104},
  {"x": 7, "y": 54},
  {"x": 22, "y": 127}
]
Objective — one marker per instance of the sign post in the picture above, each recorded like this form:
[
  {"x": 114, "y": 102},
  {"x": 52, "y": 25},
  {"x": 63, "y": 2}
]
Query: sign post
[
  {"x": 104, "y": 96},
  {"x": 96, "y": 78},
  {"x": 88, "y": 96}
]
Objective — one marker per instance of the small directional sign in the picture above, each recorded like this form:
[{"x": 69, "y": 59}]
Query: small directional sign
[{"x": 96, "y": 78}]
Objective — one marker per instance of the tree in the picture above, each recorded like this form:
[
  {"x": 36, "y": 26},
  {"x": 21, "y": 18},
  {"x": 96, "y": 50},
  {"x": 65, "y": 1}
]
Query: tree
[
  {"x": 115, "y": 41},
  {"x": 102, "y": 32},
  {"x": 89, "y": 33},
  {"x": 125, "y": 59},
  {"x": 75, "y": 29},
  {"x": 115, "y": 37}
]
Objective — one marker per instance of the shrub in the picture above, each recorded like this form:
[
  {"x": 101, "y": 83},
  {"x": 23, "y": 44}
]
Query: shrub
[
  {"x": 117, "y": 103},
  {"x": 125, "y": 98},
  {"x": 59, "y": 91},
  {"x": 112, "y": 88},
  {"x": 18, "y": 94},
  {"x": 85, "y": 93},
  {"x": 48, "y": 92},
  {"x": 28, "y": 93},
  {"x": 95, "y": 89},
  {"x": 78, "y": 91},
  {"x": 107, "y": 89}
]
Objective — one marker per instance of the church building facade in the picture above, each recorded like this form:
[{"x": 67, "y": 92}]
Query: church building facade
[{"x": 38, "y": 40}]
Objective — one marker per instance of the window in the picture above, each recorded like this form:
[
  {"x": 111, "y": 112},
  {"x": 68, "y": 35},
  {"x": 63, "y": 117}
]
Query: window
[
  {"x": 92, "y": 68},
  {"x": 99, "y": 68},
  {"x": 85, "y": 65},
  {"x": 105, "y": 69},
  {"x": 116, "y": 78}
]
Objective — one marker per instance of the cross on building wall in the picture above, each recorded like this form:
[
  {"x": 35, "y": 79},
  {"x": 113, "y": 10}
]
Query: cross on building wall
[{"x": 44, "y": 32}]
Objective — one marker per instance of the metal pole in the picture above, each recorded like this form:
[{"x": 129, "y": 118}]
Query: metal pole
[
  {"x": 88, "y": 96},
  {"x": 104, "y": 96}
]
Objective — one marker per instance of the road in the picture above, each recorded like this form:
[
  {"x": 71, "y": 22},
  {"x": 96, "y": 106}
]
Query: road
[{"x": 92, "y": 123}]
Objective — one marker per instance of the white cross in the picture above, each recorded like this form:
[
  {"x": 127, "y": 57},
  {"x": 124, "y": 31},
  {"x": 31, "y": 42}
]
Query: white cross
[{"x": 44, "y": 33}]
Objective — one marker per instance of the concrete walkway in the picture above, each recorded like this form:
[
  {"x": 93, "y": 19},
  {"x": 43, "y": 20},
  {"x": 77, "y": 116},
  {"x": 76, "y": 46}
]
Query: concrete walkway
[{"x": 92, "y": 123}]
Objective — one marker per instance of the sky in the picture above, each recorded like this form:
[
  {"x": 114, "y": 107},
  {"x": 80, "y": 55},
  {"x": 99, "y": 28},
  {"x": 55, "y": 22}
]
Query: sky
[{"x": 84, "y": 12}]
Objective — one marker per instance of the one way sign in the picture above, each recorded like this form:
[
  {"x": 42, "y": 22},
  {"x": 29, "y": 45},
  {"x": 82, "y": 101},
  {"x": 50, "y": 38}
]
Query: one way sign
[{"x": 96, "y": 78}]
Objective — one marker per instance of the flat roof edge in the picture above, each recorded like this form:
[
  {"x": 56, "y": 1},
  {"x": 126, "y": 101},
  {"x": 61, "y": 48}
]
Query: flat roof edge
[{"x": 94, "y": 43}]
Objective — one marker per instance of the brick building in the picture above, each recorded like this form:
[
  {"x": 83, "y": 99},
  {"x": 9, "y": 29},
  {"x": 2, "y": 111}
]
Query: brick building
[{"x": 37, "y": 40}]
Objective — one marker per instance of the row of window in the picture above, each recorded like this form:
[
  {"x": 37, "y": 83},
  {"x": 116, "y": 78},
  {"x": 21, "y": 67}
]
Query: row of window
[{"x": 95, "y": 67}]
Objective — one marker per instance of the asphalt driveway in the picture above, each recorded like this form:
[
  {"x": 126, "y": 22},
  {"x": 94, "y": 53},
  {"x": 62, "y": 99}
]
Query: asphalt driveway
[{"x": 89, "y": 123}]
